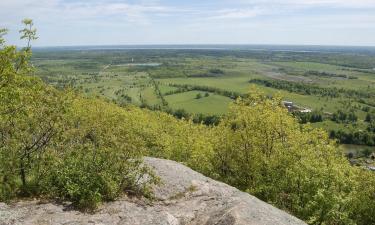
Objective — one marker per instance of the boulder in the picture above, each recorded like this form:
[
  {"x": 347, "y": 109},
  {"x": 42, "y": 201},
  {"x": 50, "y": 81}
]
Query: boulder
[{"x": 184, "y": 197}]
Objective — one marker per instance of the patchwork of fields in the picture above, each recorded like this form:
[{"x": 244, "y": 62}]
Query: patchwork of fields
[
  {"x": 100, "y": 74},
  {"x": 205, "y": 82}
]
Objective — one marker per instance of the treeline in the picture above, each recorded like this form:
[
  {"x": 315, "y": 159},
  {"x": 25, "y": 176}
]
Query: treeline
[
  {"x": 209, "y": 73},
  {"x": 357, "y": 137},
  {"x": 344, "y": 117},
  {"x": 344, "y": 136},
  {"x": 309, "y": 89},
  {"x": 318, "y": 116},
  {"x": 158, "y": 92},
  {"x": 200, "y": 118},
  {"x": 313, "y": 117},
  {"x": 186, "y": 87},
  {"x": 329, "y": 75}
]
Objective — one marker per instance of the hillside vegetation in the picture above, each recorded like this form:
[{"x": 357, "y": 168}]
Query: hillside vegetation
[
  {"x": 329, "y": 83},
  {"x": 58, "y": 144}
]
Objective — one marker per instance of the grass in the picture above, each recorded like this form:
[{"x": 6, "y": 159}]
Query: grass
[
  {"x": 150, "y": 97},
  {"x": 106, "y": 73},
  {"x": 213, "y": 104},
  {"x": 330, "y": 125},
  {"x": 166, "y": 88}
]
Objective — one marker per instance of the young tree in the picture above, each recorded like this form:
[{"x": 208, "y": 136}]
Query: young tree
[
  {"x": 28, "y": 33},
  {"x": 30, "y": 111},
  {"x": 2, "y": 33}
]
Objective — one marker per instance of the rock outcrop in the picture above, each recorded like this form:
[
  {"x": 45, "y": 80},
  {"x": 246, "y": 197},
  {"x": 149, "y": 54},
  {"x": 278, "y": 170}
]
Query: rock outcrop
[{"x": 185, "y": 197}]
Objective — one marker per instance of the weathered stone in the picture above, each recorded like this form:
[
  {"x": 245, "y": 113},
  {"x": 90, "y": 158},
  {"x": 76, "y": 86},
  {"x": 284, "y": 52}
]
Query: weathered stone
[{"x": 185, "y": 197}]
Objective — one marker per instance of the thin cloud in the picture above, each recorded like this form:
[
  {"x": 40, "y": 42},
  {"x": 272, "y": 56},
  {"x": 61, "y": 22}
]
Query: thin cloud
[
  {"x": 162, "y": 21},
  {"x": 314, "y": 3},
  {"x": 79, "y": 11},
  {"x": 238, "y": 13}
]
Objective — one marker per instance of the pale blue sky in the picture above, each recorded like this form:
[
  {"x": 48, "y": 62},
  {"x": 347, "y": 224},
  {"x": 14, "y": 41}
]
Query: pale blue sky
[{"x": 106, "y": 22}]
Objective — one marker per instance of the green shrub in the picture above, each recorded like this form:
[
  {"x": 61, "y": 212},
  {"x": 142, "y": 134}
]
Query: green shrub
[{"x": 55, "y": 144}]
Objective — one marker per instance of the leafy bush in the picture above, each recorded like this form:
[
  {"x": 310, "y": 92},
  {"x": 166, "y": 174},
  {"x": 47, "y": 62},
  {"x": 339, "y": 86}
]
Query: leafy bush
[
  {"x": 56, "y": 144},
  {"x": 263, "y": 150}
]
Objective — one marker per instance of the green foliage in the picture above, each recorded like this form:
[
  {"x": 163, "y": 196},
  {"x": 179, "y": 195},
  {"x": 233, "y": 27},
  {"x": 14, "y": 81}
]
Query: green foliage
[
  {"x": 260, "y": 148},
  {"x": 28, "y": 33},
  {"x": 360, "y": 137},
  {"x": 369, "y": 118},
  {"x": 344, "y": 117},
  {"x": 329, "y": 75},
  {"x": 98, "y": 160},
  {"x": 2, "y": 33},
  {"x": 56, "y": 144},
  {"x": 311, "y": 117},
  {"x": 263, "y": 150},
  {"x": 311, "y": 89}
]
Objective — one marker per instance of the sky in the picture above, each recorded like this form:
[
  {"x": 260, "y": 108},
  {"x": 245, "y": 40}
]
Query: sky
[{"x": 129, "y": 22}]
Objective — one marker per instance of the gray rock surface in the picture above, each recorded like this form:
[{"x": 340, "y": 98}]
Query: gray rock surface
[{"x": 185, "y": 198}]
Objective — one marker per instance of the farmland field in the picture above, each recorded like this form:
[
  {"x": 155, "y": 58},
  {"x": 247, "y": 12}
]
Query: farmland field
[{"x": 338, "y": 86}]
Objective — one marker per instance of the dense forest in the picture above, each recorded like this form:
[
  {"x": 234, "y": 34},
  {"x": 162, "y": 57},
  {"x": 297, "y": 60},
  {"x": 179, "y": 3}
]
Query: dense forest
[{"x": 58, "y": 144}]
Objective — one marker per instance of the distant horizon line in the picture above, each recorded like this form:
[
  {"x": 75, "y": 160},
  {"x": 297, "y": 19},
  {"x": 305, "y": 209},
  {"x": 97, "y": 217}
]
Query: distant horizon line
[
  {"x": 269, "y": 45},
  {"x": 216, "y": 47}
]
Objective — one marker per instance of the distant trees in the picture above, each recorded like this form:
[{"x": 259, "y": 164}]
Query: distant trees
[
  {"x": 310, "y": 89},
  {"x": 326, "y": 74},
  {"x": 344, "y": 117},
  {"x": 369, "y": 118},
  {"x": 371, "y": 127},
  {"x": 158, "y": 92},
  {"x": 208, "y": 120},
  {"x": 196, "y": 118},
  {"x": 313, "y": 117},
  {"x": 185, "y": 87},
  {"x": 209, "y": 73},
  {"x": 199, "y": 95},
  {"x": 366, "y": 109},
  {"x": 216, "y": 71},
  {"x": 358, "y": 137}
]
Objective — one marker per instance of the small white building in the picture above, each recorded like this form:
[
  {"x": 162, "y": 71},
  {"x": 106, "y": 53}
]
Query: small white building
[{"x": 305, "y": 110}]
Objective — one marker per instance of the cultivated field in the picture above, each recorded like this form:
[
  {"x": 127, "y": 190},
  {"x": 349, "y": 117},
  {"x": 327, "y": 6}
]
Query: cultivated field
[{"x": 205, "y": 82}]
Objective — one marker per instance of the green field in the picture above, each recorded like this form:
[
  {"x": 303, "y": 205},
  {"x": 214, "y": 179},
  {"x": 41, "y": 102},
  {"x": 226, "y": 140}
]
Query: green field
[
  {"x": 171, "y": 79},
  {"x": 213, "y": 104}
]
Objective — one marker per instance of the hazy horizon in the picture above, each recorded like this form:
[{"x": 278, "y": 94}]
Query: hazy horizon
[{"x": 172, "y": 22}]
